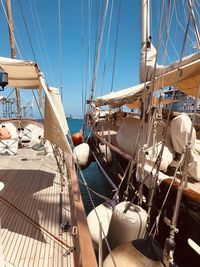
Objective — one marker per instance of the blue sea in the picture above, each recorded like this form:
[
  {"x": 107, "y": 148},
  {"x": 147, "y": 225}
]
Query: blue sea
[{"x": 93, "y": 177}]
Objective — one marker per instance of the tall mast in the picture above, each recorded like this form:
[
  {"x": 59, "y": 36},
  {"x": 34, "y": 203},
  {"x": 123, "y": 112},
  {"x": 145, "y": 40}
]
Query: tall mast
[
  {"x": 12, "y": 45},
  {"x": 145, "y": 42},
  {"x": 145, "y": 22}
]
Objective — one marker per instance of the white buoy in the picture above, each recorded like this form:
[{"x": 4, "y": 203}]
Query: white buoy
[
  {"x": 104, "y": 214},
  {"x": 126, "y": 226},
  {"x": 126, "y": 255},
  {"x": 82, "y": 155},
  {"x": 106, "y": 152}
]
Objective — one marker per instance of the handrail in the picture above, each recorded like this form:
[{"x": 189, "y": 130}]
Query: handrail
[
  {"x": 87, "y": 256},
  {"x": 114, "y": 148}
]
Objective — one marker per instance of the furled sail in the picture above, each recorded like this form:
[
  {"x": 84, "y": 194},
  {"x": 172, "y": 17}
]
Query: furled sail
[
  {"x": 119, "y": 98},
  {"x": 184, "y": 75}
]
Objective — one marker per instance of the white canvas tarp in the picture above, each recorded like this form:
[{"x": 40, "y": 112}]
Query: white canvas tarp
[
  {"x": 21, "y": 73},
  {"x": 55, "y": 95},
  {"x": 119, "y": 98},
  {"x": 26, "y": 74},
  {"x": 55, "y": 124},
  {"x": 185, "y": 77}
]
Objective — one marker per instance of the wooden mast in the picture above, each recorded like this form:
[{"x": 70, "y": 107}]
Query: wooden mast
[{"x": 12, "y": 45}]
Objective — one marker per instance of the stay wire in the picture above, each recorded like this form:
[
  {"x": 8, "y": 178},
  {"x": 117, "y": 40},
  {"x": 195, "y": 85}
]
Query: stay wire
[
  {"x": 88, "y": 76},
  {"x": 107, "y": 45},
  {"x": 97, "y": 57},
  {"x": 82, "y": 50},
  {"x": 27, "y": 31},
  {"x": 42, "y": 39},
  {"x": 60, "y": 48},
  {"x": 116, "y": 42},
  {"x": 5, "y": 13},
  {"x": 36, "y": 31}
]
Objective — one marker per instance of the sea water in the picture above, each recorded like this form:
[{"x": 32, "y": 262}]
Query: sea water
[{"x": 92, "y": 175}]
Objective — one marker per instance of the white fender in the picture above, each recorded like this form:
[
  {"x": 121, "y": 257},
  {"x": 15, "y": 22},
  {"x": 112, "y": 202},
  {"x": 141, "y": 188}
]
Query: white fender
[
  {"x": 105, "y": 150},
  {"x": 125, "y": 227},
  {"x": 104, "y": 215},
  {"x": 126, "y": 255},
  {"x": 82, "y": 154}
]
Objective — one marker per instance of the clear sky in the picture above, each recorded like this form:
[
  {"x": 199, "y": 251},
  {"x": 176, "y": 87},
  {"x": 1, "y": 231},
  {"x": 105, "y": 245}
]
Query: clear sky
[{"x": 42, "y": 21}]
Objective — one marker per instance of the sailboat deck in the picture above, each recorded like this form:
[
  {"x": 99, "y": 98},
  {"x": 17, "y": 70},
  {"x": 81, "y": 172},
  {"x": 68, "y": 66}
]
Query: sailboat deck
[{"x": 31, "y": 210}]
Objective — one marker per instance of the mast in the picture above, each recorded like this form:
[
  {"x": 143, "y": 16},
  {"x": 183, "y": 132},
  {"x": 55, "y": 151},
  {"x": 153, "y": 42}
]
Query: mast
[
  {"x": 145, "y": 22},
  {"x": 12, "y": 45}
]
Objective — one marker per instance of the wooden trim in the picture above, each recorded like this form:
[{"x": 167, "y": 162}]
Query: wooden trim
[
  {"x": 87, "y": 257},
  {"x": 188, "y": 192}
]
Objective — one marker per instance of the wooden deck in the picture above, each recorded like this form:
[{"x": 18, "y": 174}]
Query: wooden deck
[{"x": 32, "y": 207}]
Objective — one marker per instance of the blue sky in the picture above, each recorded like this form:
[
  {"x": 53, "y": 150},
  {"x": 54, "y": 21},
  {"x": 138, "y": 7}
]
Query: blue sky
[{"x": 42, "y": 21}]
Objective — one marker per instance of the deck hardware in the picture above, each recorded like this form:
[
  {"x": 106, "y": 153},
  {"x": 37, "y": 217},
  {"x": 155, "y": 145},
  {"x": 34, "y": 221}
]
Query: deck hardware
[
  {"x": 65, "y": 225},
  {"x": 3, "y": 79},
  {"x": 74, "y": 230},
  {"x": 68, "y": 251}
]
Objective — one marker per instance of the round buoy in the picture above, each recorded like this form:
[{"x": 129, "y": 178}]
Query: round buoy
[
  {"x": 104, "y": 214},
  {"x": 77, "y": 138},
  {"x": 82, "y": 155},
  {"x": 126, "y": 255}
]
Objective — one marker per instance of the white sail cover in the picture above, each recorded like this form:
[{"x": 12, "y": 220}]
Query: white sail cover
[
  {"x": 184, "y": 75},
  {"x": 147, "y": 63},
  {"x": 21, "y": 73},
  {"x": 119, "y": 98}
]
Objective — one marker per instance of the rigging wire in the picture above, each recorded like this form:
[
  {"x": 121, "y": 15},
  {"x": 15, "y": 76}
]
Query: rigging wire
[
  {"x": 179, "y": 22},
  {"x": 194, "y": 24},
  {"x": 87, "y": 79},
  {"x": 88, "y": 53},
  {"x": 97, "y": 57},
  {"x": 27, "y": 31},
  {"x": 46, "y": 58},
  {"x": 98, "y": 27},
  {"x": 31, "y": 44},
  {"x": 168, "y": 23},
  {"x": 5, "y": 13},
  {"x": 82, "y": 49},
  {"x": 36, "y": 31},
  {"x": 107, "y": 45},
  {"x": 116, "y": 42},
  {"x": 42, "y": 39},
  {"x": 60, "y": 49}
]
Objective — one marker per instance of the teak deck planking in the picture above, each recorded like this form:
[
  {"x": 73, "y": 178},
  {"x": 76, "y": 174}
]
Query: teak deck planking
[{"x": 30, "y": 199}]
